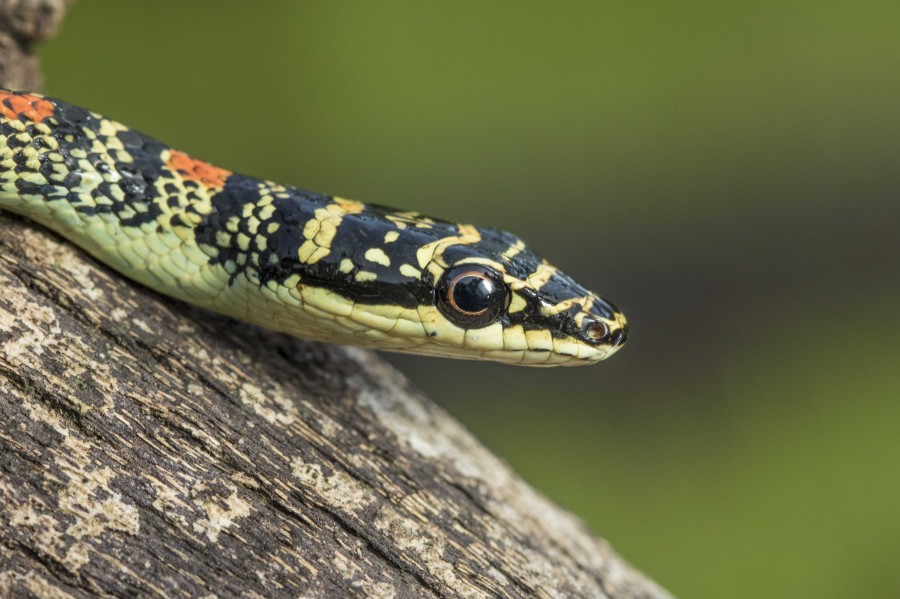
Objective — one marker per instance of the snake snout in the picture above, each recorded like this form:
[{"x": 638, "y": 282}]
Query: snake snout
[
  {"x": 619, "y": 338},
  {"x": 613, "y": 334}
]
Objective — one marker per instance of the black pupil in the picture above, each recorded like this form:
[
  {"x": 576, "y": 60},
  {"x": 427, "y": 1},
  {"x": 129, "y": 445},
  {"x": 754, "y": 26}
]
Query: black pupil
[{"x": 474, "y": 294}]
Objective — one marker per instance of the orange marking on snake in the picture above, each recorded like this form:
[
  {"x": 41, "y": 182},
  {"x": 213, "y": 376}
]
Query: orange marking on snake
[
  {"x": 197, "y": 170},
  {"x": 24, "y": 107}
]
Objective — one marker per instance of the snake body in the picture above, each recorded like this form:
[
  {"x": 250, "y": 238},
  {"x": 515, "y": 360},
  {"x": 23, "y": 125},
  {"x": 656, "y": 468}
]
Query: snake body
[{"x": 312, "y": 265}]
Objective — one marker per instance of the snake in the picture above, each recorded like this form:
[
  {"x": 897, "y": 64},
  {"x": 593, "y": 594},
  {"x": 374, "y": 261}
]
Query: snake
[{"x": 316, "y": 266}]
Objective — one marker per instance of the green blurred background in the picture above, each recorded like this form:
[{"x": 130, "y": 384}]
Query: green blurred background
[{"x": 727, "y": 173}]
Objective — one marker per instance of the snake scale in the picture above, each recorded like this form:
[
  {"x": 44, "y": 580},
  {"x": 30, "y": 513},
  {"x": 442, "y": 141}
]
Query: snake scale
[{"x": 312, "y": 265}]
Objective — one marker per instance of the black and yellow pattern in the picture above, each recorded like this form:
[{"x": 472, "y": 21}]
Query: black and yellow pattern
[{"x": 316, "y": 266}]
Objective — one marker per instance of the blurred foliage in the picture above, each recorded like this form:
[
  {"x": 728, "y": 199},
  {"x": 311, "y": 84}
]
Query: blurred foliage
[{"x": 725, "y": 172}]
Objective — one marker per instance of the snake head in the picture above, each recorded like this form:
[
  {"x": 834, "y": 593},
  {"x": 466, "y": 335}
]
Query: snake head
[
  {"x": 369, "y": 275},
  {"x": 513, "y": 306}
]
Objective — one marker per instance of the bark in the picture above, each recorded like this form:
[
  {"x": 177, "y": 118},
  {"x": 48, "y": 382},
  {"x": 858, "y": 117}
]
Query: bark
[{"x": 148, "y": 448}]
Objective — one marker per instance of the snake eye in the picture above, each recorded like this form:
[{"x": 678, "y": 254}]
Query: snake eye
[{"x": 471, "y": 296}]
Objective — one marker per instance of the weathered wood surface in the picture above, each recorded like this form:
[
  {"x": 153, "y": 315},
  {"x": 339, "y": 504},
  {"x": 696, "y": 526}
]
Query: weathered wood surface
[{"x": 148, "y": 448}]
